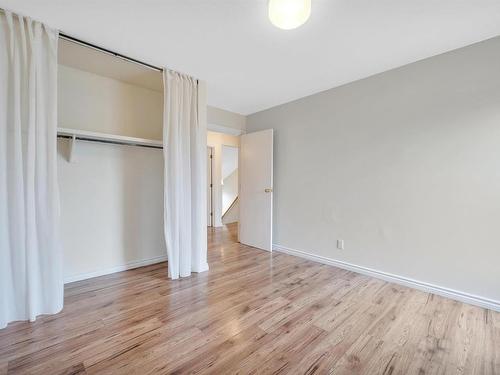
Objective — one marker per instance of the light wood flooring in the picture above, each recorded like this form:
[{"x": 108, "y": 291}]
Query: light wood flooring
[{"x": 253, "y": 312}]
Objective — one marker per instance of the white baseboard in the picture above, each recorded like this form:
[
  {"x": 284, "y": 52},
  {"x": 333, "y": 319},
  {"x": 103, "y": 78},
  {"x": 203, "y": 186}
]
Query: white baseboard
[
  {"x": 123, "y": 267},
  {"x": 426, "y": 287}
]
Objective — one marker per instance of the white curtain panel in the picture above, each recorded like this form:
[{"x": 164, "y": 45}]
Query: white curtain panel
[
  {"x": 31, "y": 281},
  {"x": 185, "y": 145}
]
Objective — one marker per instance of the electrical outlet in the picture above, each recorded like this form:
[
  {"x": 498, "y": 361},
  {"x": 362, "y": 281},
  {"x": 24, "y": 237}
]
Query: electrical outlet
[{"x": 340, "y": 244}]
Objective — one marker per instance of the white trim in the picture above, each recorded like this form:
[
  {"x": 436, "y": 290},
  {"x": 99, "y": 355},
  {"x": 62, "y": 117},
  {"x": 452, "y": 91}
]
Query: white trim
[
  {"x": 123, "y": 267},
  {"x": 225, "y": 129},
  {"x": 420, "y": 285}
]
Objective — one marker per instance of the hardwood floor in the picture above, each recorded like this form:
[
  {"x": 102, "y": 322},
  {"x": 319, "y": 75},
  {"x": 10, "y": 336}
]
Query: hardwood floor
[{"x": 253, "y": 312}]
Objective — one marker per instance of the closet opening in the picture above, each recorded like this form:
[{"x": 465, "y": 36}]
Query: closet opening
[{"x": 111, "y": 193}]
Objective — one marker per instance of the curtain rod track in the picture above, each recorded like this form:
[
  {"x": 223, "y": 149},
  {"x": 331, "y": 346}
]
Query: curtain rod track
[
  {"x": 79, "y": 138},
  {"x": 107, "y": 51},
  {"x": 115, "y": 54},
  {"x": 70, "y": 38},
  {"x": 101, "y": 49}
]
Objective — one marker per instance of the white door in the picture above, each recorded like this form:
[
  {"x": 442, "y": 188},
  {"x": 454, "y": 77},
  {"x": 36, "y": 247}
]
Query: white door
[{"x": 256, "y": 189}]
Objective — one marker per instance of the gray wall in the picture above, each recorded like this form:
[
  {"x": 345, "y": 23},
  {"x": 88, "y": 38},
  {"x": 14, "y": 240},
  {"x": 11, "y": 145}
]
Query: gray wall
[{"x": 404, "y": 166}]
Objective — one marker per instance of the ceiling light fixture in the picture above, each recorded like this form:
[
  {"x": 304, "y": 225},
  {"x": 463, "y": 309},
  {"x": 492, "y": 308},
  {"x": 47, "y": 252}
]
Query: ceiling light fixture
[{"x": 289, "y": 14}]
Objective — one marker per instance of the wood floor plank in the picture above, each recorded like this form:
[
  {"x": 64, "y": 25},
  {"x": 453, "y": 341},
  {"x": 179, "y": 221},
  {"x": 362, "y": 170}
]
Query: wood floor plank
[
  {"x": 253, "y": 312},
  {"x": 3, "y": 367}
]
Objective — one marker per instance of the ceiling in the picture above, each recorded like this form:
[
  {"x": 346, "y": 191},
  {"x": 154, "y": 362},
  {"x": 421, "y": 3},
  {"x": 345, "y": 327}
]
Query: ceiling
[{"x": 250, "y": 65}]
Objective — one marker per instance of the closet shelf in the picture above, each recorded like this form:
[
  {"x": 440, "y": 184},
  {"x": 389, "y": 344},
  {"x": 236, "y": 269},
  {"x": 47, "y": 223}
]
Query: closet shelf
[
  {"x": 84, "y": 135},
  {"x": 111, "y": 138}
]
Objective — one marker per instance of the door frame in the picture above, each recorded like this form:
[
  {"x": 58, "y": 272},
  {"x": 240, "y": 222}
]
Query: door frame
[{"x": 210, "y": 187}]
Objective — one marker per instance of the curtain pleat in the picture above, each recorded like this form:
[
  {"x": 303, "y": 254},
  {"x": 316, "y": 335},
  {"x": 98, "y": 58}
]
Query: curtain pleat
[{"x": 31, "y": 281}]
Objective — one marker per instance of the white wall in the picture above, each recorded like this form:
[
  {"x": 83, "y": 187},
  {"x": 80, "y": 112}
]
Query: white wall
[
  {"x": 216, "y": 141},
  {"x": 111, "y": 195},
  {"x": 229, "y": 177},
  {"x": 220, "y": 120},
  {"x": 404, "y": 166},
  {"x": 229, "y": 160},
  {"x": 91, "y": 102},
  {"x": 229, "y": 190},
  {"x": 111, "y": 207},
  {"x": 233, "y": 214}
]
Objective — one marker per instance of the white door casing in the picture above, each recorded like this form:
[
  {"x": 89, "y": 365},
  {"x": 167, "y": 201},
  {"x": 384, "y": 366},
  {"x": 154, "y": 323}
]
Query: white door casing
[{"x": 209, "y": 188}]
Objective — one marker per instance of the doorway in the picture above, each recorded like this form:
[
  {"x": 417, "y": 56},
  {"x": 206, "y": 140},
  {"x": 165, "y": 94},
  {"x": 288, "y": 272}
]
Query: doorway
[
  {"x": 241, "y": 192},
  {"x": 224, "y": 148},
  {"x": 230, "y": 185}
]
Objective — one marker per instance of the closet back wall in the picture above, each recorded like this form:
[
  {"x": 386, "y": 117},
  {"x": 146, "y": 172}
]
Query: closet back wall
[{"x": 111, "y": 195}]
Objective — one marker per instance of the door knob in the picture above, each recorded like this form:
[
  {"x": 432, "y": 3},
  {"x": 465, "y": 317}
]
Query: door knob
[{"x": 268, "y": 190}]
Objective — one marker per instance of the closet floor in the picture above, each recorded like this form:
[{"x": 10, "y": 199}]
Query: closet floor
[{"x": 253, "y": 312}]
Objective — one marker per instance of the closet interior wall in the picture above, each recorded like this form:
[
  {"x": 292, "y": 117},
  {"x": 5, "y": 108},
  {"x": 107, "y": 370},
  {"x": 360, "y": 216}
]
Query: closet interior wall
[{"x": 111, "y": 195}]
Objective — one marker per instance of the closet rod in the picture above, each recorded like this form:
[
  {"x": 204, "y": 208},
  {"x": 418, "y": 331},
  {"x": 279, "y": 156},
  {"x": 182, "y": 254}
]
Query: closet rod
[
  {"x": 107, "y": 51},
  {"x": 80, "y": 138}
]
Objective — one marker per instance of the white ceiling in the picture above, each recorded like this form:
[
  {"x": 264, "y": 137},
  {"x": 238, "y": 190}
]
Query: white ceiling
[{"x": 249, "y": 64}]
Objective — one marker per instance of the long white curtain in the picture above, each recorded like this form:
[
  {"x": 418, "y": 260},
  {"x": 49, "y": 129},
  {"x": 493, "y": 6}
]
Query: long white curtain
[
  {"x": 185, "y": 204},
  {"x": 31, "y": 281}
]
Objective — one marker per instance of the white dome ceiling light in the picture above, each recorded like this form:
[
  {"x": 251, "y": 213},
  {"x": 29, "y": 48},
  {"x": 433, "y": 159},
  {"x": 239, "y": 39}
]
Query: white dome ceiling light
[{"x": 289, "y": 14}]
